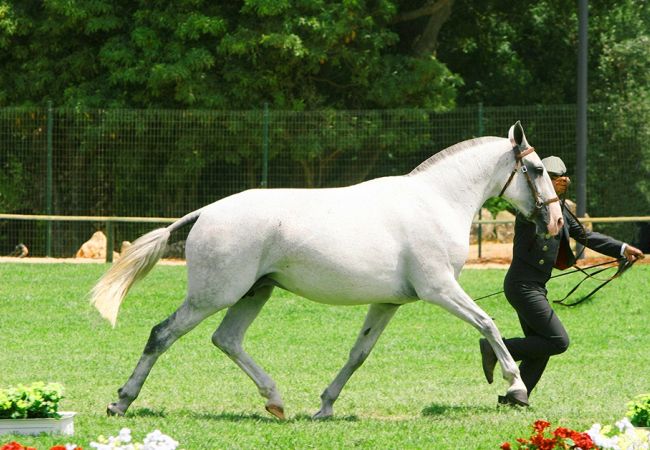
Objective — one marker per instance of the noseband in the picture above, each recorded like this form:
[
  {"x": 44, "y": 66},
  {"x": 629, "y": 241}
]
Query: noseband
[{"x": 539, "y": 201}]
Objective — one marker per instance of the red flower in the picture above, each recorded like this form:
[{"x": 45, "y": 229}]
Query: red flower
[
  {"x": 583, "y": 440},
  {"x": 562, "y": 438},
  {"x": 541, "y": 425},
  {"x": 562, "y": 432},
  {"x": 15, "y": 446}
]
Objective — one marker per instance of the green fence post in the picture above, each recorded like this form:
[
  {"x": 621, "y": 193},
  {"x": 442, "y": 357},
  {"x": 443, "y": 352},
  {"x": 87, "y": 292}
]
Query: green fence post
[
  {"x": 479, "y": 233},
  {"x": 265, "y": 147},
  {"x": 48, "y": 187},
  {"x": 110, "y": 241}
]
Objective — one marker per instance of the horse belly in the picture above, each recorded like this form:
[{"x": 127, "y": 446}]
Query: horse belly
[{"x": 344, "y": 284}]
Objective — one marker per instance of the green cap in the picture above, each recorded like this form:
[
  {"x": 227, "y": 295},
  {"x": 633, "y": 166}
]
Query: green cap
[{"x": 554, "y": 165}]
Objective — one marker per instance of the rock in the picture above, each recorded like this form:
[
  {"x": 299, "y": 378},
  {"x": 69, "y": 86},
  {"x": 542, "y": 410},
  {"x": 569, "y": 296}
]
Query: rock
[
  {"x": 505, "y": 231},
  {"x": 20, "y": 251},
  {"x": 94, "y": 248}
]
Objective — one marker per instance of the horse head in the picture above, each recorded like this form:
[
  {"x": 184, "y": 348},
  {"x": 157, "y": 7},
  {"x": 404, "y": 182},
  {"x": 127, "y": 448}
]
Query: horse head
[{"x": 530, "y": 187}]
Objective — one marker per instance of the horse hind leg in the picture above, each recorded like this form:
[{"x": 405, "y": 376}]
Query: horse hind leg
[
  {"x": 376, "y": 320},
  {"x": 229, "y": 337},
  {"x": 162, "y": 336}
]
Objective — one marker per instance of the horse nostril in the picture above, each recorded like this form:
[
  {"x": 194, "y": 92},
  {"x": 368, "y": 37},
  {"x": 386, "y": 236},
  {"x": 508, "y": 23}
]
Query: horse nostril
[{"x": 560, "y": 222}]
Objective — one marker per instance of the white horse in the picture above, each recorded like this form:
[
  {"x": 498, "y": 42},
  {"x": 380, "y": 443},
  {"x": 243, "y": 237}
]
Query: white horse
[{"x": 384, "y": 242}]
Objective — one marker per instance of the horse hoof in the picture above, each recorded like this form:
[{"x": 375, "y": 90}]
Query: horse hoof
[
  {"x": 514, "y": 398},
  {"x": 276, "y": 410},
  {"x": 113, "y": 410},
  {"x": 322, "y": 415}
]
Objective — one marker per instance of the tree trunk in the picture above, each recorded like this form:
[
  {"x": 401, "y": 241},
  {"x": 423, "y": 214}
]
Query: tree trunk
[{"x": 438, "y": 11}]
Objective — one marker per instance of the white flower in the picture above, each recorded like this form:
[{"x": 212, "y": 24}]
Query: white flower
[
  {"x": 159, "y": 441},
  {"x": 154, "y": 441},
  {"x": 596, "y": 433},
  {"x": 124, "y": 436},
  {"x": 627, "y": 438},
  {"x": 624, "y": 425}
]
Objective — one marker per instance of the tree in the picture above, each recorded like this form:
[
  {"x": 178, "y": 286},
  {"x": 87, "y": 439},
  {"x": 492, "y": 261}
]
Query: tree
[{"x": 293, "y": 54}]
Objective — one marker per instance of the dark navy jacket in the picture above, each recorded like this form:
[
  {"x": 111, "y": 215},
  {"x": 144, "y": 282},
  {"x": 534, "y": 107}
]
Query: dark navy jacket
[{"x": 533, "y": 256}]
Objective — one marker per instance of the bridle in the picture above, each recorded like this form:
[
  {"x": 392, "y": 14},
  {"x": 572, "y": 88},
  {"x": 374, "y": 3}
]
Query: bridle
[{"x": 539, "y": 201}]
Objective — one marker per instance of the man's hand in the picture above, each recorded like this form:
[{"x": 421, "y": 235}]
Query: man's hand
[{"x": 632, "y": 253}]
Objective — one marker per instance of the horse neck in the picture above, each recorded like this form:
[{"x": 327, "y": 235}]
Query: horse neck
[{"x": 469, "y": 177}]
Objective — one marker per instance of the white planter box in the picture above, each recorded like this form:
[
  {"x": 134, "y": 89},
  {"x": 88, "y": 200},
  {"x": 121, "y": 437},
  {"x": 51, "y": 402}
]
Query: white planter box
[{"x": 64, "y": 425}]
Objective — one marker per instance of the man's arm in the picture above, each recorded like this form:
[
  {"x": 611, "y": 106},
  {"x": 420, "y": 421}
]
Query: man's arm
[{"x": 601, "y": 242}]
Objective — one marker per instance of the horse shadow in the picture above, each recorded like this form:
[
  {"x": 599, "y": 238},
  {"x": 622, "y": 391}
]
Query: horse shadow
[
  {"x": 254, "y": 417},
  {"x": 146, "y": 412},
  {"x": 439, "y": 409},
  {"x": 432, "y": 410}
]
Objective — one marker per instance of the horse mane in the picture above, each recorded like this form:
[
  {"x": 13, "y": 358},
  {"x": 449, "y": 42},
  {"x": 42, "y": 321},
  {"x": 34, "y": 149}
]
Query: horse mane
[{"x": 443, "y": 154}]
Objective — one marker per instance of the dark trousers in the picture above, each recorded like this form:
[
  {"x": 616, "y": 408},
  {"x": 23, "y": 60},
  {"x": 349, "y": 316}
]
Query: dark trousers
[{"x": 544, "y": 333}]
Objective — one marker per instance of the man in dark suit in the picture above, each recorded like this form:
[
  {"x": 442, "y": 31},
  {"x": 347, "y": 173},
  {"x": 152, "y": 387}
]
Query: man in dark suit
[{"x": 533, "y": 259}]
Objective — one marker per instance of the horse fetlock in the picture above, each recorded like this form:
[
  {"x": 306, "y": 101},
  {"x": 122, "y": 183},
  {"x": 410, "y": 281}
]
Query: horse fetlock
[
  {"x": 270, "y": 392},
  {"x": 125, "y": 394}
]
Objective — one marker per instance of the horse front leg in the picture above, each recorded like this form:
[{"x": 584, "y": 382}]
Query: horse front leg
[
  {"x": 454, "y": 299},
  {"x": 162, "y": 336},
  {"x": 376, "y": 320}
]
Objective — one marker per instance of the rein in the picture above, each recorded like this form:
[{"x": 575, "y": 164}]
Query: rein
[{"x": 623, "y": 265}]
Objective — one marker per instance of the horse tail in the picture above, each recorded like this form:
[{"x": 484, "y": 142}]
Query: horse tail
[{"x": 137, "y": 261}]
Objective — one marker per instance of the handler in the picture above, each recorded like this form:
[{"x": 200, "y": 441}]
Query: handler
[{"x": 525, "y": 285}]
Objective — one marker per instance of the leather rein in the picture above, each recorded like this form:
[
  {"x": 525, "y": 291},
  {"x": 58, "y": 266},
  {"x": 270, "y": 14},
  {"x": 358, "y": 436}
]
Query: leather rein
[{"x": 623, "y": 265}]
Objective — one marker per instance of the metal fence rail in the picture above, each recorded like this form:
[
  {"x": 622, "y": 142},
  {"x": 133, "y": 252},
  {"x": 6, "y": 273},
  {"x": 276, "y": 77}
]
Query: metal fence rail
[{"x": 160, "y": 163}]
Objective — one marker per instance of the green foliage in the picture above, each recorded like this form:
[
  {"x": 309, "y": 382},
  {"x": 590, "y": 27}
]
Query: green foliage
[
  {"x": 12, "y": 184},
  {"x": 638, "y": 411},
  {"x": 498, "y": 204},
  {"x": 293, "y": 54},
  {"x": 37, "y": 400}
]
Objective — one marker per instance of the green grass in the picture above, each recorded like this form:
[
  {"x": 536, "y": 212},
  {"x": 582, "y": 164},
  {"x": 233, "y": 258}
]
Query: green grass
[{"x": 422, "y": 387}]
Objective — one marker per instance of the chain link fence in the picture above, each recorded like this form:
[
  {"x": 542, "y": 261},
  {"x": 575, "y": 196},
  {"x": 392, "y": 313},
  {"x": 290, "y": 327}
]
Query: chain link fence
[{"x": 160, "y": 163}]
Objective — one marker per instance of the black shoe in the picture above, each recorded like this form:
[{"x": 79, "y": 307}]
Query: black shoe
[{"x": 488, "y": 358}]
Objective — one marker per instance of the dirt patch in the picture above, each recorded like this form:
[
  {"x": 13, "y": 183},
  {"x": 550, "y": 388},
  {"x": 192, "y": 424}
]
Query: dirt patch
[{"x": 42, "y": 260}]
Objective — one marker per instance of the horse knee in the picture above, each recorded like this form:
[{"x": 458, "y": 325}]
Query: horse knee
[{"x": 226, "y": 343}]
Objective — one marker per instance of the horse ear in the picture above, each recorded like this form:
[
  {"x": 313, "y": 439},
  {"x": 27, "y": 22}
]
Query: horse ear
[{"x": 517, "y": 136}]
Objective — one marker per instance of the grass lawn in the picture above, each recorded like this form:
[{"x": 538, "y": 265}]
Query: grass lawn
[{"x": 422, "y": 387}]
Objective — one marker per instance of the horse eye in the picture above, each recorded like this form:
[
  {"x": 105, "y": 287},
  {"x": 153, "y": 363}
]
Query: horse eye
[{"x": 539, "y": 170}]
